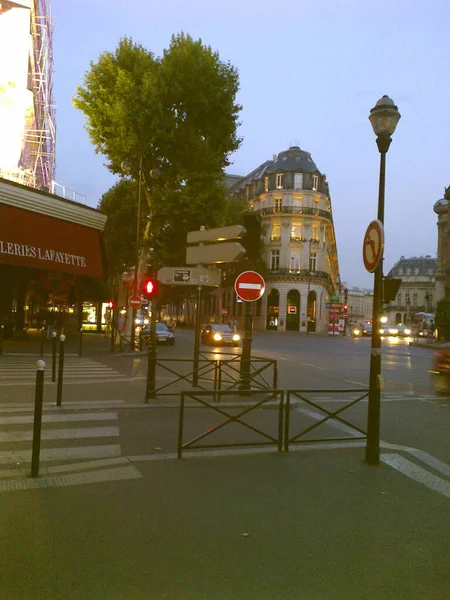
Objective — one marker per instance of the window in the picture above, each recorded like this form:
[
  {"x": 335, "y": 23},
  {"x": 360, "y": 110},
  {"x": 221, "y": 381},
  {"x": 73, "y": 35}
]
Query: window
[
  {"x": 277, "y": 204},
  {"x": 296, "y": 232},
  {"x": 279, "y": 181},
  {"x": 276, "y": 232},
  {"x": 315, "y": 232},
  {"x": 315, "y": 184},
  {"x": 399, "y": 299},
  {"x": 298, "y": 181},
  {"x": 414, "y": 299},
  {"x": 313, "y": 261},
  {"x": 266, "y": 183},
  {"x": 274, "y": 260}
]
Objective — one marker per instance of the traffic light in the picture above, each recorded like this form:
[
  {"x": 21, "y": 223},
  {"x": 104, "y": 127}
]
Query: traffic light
[
  {"x": 150, "y": 288},
  {"x": 390, "y": 288}
]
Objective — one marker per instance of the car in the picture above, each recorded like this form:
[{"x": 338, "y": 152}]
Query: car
[
  {"x": 356, "y": 332},
  {"x": 395, "y": 331},
  {"x": 163, "y": 335},
  {"x": 440, "y": 370},
  {"x": 219, "y": 334},
  {"x": 367, "y": 329}
]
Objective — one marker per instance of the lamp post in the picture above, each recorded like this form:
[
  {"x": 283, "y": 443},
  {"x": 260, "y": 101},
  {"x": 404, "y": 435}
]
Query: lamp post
[
  {"x": 383, "y": 118},
  {"x": 309, "y": 285}
]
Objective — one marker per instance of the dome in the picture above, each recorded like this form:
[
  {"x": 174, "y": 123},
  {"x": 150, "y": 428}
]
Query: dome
[
  {"x": 440, "y": 206},
  {"x": 294, "y": 159}
]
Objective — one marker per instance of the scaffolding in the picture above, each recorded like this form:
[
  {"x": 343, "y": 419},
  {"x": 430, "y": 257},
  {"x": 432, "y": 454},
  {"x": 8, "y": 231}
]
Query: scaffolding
[{"x": 40, "y": 136}]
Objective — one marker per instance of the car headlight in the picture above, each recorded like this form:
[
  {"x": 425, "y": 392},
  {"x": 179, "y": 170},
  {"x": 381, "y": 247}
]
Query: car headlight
[
  {"x": 356, "y": 332},
  {"x": 146, "y": 321},
  {"x": 137, "y": 321},
  {"x": 408, "y": 331},
  {"x": 381, "y": 331},
  {"x": 217, "y": 337},
  {"x": 236, "y": 337},
  {"x": 393, "y": 330}
]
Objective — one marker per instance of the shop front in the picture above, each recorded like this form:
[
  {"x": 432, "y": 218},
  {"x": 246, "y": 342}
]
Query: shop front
[{"x": 50, "y": 259}]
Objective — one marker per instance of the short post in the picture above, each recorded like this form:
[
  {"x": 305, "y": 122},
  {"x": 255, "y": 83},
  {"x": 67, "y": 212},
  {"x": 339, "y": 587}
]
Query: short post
[
  {"x": 2, "y": 332},
  {"x": 151, "y": 357},
  {"x": 42, "y": 341},
  {"x": 38, "y": 398},
  {"x": 275, "y": 375},
  {"x": 62, "y": 339},
  {"x": 246, "y": 356},
  {"x": 197, "y": 337},
  {"x": 113, "y": 338},
  {"x": 54, "y": 356},
  {"x": 80, "y": 342}
]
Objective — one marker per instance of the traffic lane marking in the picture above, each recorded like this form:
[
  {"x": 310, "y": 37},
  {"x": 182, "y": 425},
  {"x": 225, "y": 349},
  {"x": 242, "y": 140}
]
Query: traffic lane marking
[
  {"x": 61, "y": 434},
  {"x": 60, "y": 454},
  {"x": 413, "y": 471},
  {"x": 60, "y": 418}
]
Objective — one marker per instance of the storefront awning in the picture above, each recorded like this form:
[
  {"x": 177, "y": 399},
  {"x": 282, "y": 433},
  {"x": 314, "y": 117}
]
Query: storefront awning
[{"x": 29, "y": 239}]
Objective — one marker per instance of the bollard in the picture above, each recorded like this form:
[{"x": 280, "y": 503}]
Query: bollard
[
  {"x": 151, "y": 372},
  {"x": 62, "y": 339},
  {"x": 80, "y": 342},
  {"x": 38, "y": 397},
  {"x": 2, "y": 329},
  {"x": 42, "y": 341},
  {"x": 113, "y": 338},
  {"x": 54, "y": 356}
]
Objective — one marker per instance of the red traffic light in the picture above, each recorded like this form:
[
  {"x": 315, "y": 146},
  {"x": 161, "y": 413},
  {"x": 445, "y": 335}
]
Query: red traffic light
[{"x": 150, "y": 287}]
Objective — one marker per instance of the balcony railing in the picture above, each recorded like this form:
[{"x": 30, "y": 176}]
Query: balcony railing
[
  {"x": 295, "y": 210},
  {"x": 299, "y": 273}
]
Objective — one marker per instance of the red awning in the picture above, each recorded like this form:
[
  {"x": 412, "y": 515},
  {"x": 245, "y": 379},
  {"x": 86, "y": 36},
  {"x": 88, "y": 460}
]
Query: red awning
[{"x": 29, "y": 239}]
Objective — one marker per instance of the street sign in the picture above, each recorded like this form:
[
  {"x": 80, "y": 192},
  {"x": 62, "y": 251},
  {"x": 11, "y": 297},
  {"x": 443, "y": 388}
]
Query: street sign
[
  {"x": 190, "y": 276},
  {"x": 224, "y": 311},
  {"x": 218, "y": 234},
  {"x": 214, "y": 253},
  {"x": 134, "y": 302},
  {"x": 249, "y": 286},
  {"x": 373, "y": 245}
]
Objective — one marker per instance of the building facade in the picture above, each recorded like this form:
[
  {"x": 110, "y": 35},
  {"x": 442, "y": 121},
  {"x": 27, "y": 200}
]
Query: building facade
[
  {"x": 291, "y": 196},
  {"x": 417, "y": 289},
  {"x": 360, "y": 304}
]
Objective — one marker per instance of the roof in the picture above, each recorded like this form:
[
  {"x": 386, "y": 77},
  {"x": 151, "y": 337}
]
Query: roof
[{"x": 417, "y": 265}]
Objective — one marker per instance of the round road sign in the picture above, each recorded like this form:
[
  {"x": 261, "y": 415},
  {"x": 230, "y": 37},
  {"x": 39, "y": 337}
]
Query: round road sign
[
  {"x": 373, "y": 245},
  {"x": 134, "y": 302},
  {"x": 249, "y": 286}
]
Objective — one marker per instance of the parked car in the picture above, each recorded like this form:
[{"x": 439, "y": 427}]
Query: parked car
[
  {"x": 163, "y": 335},
  {"x": 218, "y": 334},
  {"x": 440, "y": 370}
]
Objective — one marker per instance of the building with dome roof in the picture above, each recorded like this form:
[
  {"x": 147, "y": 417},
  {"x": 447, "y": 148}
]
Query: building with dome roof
[
  {"x": 292, "y": 198},
  {"x": 417, "y": 289},
  {"x": 441, "y": 208}
]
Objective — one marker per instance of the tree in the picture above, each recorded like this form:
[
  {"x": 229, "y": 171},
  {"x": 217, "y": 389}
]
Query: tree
[
  {"x": 176, "y": 113},
  {"x": 442, "y": 320}
]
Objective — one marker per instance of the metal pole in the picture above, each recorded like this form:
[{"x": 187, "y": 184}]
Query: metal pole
[
  {"x": 197, "y": 337},
  {"x": 80, "y": 343},
  {"x": 54, "y": 356},
  {"x": 151, "y": 357},
  {"x": 2, "y": 329},
  {"x": 309, "y": 286},
  {"x": 42, "y": 341},
  {"x": 38, "y": 398},
  {"x": 372, "y": 455},
  {"x": 136, "y": 267},
  {"x": 246, "y": 356},
  {"x": 62, "y": 339}
]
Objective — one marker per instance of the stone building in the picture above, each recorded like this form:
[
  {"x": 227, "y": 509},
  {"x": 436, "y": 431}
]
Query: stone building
[
  {"x": 360, "y": 304},
  {"x": 416, "y": 292},
  {"x": 442, "y": 208},
  {"x": 292, "y": 198}
]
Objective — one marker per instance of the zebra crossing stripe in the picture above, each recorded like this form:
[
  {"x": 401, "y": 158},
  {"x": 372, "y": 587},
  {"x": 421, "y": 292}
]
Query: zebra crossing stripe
[
  {"x": 61, "y": 454},
  {"x": 59, "y": 418}
]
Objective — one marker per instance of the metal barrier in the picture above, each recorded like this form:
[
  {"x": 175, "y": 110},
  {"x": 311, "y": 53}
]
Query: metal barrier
[
  {"x": 269, "y": 396},
  {"x": 329, "y": 416},
  {"x": 212, "y": 374}
]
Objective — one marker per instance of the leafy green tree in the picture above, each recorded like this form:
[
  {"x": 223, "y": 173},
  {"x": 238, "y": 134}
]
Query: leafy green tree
[
  {"x": 442, "y": 320},
  {"x": 177, "y": 114}
]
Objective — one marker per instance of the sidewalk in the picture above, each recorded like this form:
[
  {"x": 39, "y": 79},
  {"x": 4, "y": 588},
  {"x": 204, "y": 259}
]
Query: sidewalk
[{"x": 311, "y": 525}]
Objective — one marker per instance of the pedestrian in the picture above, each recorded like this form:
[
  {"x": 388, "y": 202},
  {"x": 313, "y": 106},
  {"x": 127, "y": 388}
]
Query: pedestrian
[{"x": 171, "y": 324}]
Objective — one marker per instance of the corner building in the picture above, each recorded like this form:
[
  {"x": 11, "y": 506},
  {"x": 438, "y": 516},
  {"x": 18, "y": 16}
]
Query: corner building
[{"x": 292, "y": 198}]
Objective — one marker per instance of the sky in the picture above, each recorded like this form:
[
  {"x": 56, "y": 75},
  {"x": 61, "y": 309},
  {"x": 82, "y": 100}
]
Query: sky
[{"x": 310, "y": 71}]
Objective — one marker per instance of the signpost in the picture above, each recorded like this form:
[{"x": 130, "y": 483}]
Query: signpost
[
  {"x": 215, "y": 245},
  {"x": 373, "y": 245},
  {"x": 134, "y": 302},
  {"x": 190, "y": 276},
  {"x": 249, "y": 286}
]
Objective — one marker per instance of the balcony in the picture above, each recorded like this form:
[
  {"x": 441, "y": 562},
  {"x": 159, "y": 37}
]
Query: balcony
[
  {"x": 301, "y": 274},
  {"x": 275, "y": 238},
  {"x": 295, "y": 210}
]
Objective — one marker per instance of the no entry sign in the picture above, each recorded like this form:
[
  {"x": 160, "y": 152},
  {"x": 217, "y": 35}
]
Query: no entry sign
[
  {"x": 249, "y": 286},
  {"x": 134, "y": 302}
]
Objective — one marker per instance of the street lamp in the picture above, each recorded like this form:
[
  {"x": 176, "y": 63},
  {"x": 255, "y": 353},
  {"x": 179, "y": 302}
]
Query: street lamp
[
  {"x": 309, "y": 285},
  {"x": 384, "y": 117}
]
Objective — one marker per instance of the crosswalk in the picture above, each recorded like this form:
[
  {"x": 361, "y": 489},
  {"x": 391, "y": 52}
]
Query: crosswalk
[
  {"x": 22, "y": 369},
  {"x": 65, "y": 436}
]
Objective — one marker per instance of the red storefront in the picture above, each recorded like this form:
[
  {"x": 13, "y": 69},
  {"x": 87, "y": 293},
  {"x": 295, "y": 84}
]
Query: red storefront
[{"x": 50, "y": 255}]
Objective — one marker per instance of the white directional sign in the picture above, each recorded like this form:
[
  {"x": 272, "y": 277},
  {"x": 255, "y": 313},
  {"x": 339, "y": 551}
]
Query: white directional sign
[
  {"x": 218, "y": 234},
  {"x": 214, "y": 253},
  {"x": 190, "y": 276}
]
